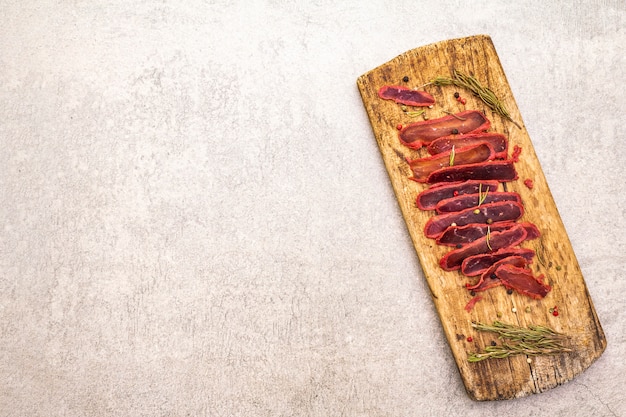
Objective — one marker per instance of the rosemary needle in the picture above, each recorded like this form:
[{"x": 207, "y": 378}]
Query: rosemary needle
[
  {"x": 482, "y": 197},
  {"x": 488, "y": 238},
  {"x": 452, "y": 154}
]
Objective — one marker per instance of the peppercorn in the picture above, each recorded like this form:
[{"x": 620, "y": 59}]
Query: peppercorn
[
  {"x": 472, "y": 293},
  {"x": 456, "y": 94},
  {"x": 459, "y": 246},
  {"x": 455, "y": 131},
  {"x": 405, "y": 79},
  {"x": 493, "y": 276},
  {"x": 493, "y": 343},
  {"x": 509, "y": 291}
]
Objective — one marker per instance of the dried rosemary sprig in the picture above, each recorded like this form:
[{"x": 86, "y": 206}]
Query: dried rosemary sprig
[
  {"x": 532, "y": 341},
  {"x": 485, "y": 94}
]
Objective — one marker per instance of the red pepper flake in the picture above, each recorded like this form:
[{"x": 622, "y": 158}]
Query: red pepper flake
[
  {"x": 455, "y": 193},
  {"x": 470, "y": 305},
  {"x": 470, "y": 339},
  {"x": 399, "y": 127},
  {"x": 529, "y": 183},
  {"x": 516, "y": 151},
  {"x": 462, "y": 101}
]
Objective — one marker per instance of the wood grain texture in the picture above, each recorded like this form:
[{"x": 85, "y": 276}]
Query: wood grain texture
[{"x": 495, "y": 378}]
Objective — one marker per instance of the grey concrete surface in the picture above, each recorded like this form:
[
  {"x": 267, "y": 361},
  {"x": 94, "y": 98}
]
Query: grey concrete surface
[{"x": 196, "y": 221}]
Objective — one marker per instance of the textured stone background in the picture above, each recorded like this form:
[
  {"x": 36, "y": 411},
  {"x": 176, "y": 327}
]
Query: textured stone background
[{"x": 196, "y": 221}]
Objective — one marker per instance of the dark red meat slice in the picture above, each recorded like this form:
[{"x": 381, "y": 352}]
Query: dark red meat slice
[
  {"x": 478, "y": 264},
  {"x": 462, "y": 235},
  {"x": 452, "y": 260},
  {"x": 523, "y": 281},
  {"x": 489, "y": 279},
  {"x": 428, "y": 199},
  {"x": 422, "y": 133},
  {"x": 465, "y": 201},
  {"x": 404, "y": 95},
  {"x": 531, "y": 231},
  {"x": 490, "y": 170},
  {"x": 486, "y": 214},
  {"x": 498, "y": 141},
  {"x": 422, "y": 167}
]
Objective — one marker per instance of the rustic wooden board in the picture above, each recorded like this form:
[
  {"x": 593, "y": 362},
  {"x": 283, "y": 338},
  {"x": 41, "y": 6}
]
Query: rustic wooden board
[{"x": 515, "y": 376}]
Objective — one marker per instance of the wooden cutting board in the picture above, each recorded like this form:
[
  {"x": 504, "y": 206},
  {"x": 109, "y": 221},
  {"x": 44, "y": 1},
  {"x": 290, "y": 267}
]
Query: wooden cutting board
[{"x": 514, "y": 376}]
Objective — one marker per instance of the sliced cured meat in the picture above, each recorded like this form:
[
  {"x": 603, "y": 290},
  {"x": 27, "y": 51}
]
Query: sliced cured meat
[
  {"x": 462, "y": 235},
  {"x": 404, "y": 95},
  {"x": 490, "y": 170},
  {"x": 486, "y": 214},
  {"x": 428, "y": 199},
  {"x": 523, "y": 281},
  {"x": 462, "y": 202},
  {"x": 531, "y": 231},
  {"x": 498, "y": 141},
  {"x": 489, "y": 279},
  {"x": 422, "y": 167},
  {"x": 418, "y": 134},
  {"x": 452, "y": 260},
  {"x": 478, "y": 264}
]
